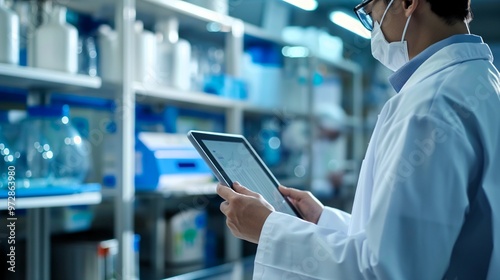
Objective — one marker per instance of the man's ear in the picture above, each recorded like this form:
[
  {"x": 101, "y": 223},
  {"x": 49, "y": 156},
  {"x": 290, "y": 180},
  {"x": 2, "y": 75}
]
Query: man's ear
[{"x": 409, "y": 6}]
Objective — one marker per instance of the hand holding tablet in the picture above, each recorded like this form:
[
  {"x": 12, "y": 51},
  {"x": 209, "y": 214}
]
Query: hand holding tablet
[
  {"x": 246, "y": 211},
  {"x": 232, "y": 159}
]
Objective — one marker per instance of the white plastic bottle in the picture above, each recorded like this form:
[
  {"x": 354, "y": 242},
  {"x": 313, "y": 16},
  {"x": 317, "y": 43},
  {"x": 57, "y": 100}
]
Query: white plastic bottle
[
  {"x": 109, "y": 57},
  {"x": 56, "y": 43},
  {"x": 181, "y": 72},
  {"x": 9, "y": 35},
  {"x": 168, "y": 34},
  {"x": 174, "y": 56},
  {"x": 145, "y": 55}
]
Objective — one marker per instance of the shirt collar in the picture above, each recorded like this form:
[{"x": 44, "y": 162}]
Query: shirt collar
[{"x": 400, "y": 77}]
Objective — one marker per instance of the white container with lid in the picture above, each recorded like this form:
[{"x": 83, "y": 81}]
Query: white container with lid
[
  {"x": 145, "y": 55},
  {"x": 168, "y": 35},
  {"x": 56, "y": 43},
  {"x": 9, "y": 35},
  {"x": 174, "y": 56},
  {"x": 109, "y": 56}
]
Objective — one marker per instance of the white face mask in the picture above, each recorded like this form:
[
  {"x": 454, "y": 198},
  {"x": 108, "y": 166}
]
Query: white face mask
[{"x": 393, "y": 55}]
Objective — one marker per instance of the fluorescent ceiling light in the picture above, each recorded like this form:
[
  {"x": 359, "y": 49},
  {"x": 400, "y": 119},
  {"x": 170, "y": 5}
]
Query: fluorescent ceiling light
[
  {"x": 350, "y": 23},
  {"x": 308, "y": 5},
  {"x": 295, "y": 52}
]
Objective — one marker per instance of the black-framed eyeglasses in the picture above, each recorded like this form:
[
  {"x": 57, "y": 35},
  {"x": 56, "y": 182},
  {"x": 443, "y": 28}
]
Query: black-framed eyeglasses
[{"x": 365, "y": 17}]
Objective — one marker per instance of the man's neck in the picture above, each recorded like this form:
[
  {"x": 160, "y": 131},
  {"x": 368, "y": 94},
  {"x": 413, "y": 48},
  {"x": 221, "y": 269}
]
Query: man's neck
[{"x": 432, "y": 35}]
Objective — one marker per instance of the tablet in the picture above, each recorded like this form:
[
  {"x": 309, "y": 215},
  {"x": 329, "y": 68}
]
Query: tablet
[{"x": 232, "y": 159}]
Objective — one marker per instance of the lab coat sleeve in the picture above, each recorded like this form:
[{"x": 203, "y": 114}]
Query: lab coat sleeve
[
  {"x": 413, "y": 224},
  {"x": 291, "y": 248},
  {"x": 334, "y": 219}
]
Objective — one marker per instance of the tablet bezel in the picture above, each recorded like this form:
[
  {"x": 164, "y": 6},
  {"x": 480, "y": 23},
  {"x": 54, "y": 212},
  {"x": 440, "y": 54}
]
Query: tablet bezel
[{"x": 197, "y": 137}]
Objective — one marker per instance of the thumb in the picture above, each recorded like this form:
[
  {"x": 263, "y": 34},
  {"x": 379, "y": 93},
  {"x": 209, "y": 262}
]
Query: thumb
[
  {"x": 243, "y": 190},
  {"x": 291, "y": 193}
]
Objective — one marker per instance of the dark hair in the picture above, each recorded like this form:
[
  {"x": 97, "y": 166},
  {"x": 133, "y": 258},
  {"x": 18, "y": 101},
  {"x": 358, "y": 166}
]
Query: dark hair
[{"x": 450, "y": 10}]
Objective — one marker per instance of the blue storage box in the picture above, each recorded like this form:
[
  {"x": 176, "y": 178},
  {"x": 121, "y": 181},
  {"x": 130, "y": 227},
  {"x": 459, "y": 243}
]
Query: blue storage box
[{"x": 226, "y": 86}]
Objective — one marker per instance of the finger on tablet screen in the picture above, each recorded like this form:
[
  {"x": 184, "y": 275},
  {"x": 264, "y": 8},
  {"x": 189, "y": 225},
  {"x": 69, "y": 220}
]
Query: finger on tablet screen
[{"x": 225, "y": 192}]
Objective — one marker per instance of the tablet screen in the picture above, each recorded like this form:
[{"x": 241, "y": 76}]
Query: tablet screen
[{"x": 240, "y": 165}]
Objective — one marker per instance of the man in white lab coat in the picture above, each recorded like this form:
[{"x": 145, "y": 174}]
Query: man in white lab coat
[{"x": 428, "y": 199}]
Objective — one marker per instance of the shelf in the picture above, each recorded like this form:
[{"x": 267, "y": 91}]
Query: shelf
[
  {"x": 191, "y": 17},
  {"x": 41, "y": 79},
  {"x": 155, "y": 94},
  {"x": 188, "y": 13},
  {"x": 158, "y": 94},
  {"x": 53, "y": 196},
  {"x": 184, "y": 190},
  {"x": 259, "y": 33},
  {"x": 54, "y": 201},
  {"x": 343, "y": 64},
  {"x": 282, "y": 113}
]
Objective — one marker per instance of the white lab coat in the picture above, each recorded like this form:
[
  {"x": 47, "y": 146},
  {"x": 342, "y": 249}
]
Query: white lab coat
[{"x": 435, "y": 140}]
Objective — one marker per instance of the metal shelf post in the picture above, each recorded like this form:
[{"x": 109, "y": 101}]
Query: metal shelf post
[{"x": 125, "y": 116}]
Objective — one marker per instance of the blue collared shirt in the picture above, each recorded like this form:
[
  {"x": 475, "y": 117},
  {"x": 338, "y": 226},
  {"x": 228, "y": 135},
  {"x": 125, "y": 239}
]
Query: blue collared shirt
[{"x": 400, "y": 77}]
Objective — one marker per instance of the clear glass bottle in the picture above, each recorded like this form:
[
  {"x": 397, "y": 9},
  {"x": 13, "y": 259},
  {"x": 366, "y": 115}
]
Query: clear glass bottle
[
  {"x": 6, "y": 152},
  {"x": 52, "y": 151}
]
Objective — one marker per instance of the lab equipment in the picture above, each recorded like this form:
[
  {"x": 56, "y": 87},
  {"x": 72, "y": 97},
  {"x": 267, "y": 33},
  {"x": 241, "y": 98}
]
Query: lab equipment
[
  {"x": 167, "y": 161},
  {"x": 182, "y": 58},
  {"x": 56, "y": 43},
  {"x": 174, "y": 56},
  {"x": 89, "y": 256},
  {"x": 145, "y": 54},
  {"x": 109, "y": 57},
  {"x": 24, "y": 10},
  {"x": 9, "y": 135},
  {"x": 226, "y": 86},
  {"x": 168, "y": 33},
  {"x": 52, "y": 152},
  {"x": 318, "y": 41},
  {"x": 263, "y": 71},
  {"x": 271, "y": 141},
  {"x": 186, "y": 237},
  {"x": 87, "y": 56},
  {"x": 7, "y": 154},
  {"x": 84, "y": 258},
  {"x": 9, "y": 35}
]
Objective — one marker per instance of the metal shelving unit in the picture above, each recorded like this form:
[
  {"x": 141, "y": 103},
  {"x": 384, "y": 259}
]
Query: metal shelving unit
[
  {"x": 127, "y": 93},
  {"x": 38, "y": 226},
  {"x": 38, "y": 82},
  {"x": 35, "y": 78},
  {"x": 55, "y": 201},
  {"x": 188, "y": 13},
  {"x": 199, "y": 100}
]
